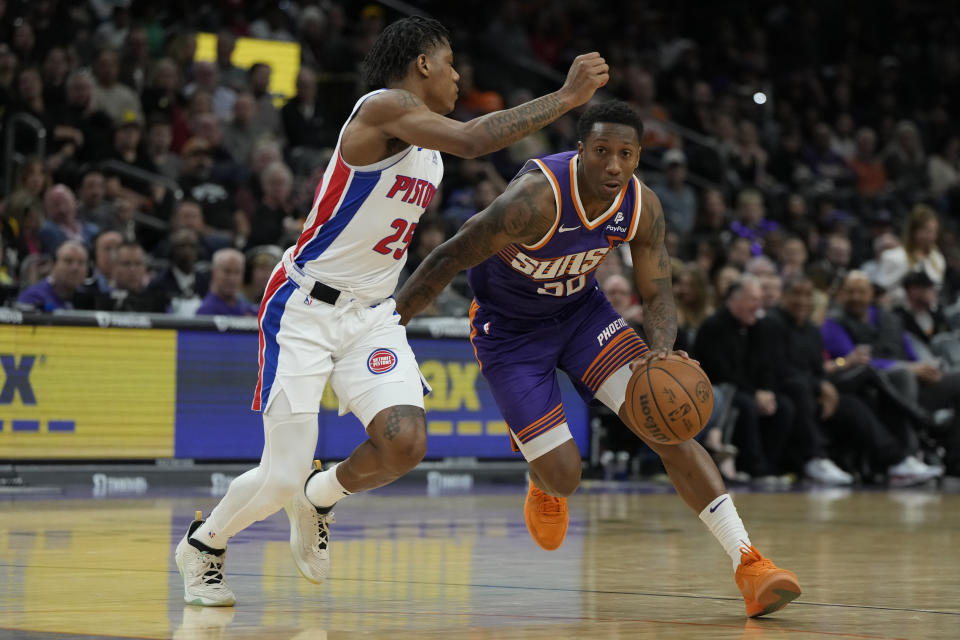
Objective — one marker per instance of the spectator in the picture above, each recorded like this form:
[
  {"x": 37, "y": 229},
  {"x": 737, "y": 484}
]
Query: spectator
[
  {"x": 267, "y": 118},
  {"x": 231, "y": 75},
  {"x": 905, "y": 160},
  {"x": 691, "y": 291},
  {"x": 62, "y": 223},
  {"x": 104, "y": 248},
  {"x": 944, "y": 167},
  {"x": 876, "y": 337},
  {"x": 117, "y": 99},
  {"x": 261, "y": 261},
  {"x": 792, "y": 257},
  {"x": 847, "y": 420},
  {"x": 57, "y": 290},
  {"x": 749, "y": 159},
  {"x": 751, "y": 222},
  {"x": 272, "y": 222},
  {"x": 239, "y": 135},
  {"x": 219, "y": 211},
  {"x": 225, "y": 286},
  {"x": 620, "y": 294},
  {"x": 128, "y": 289},
  {"x": 188, "y": 214},
  {"x": 918, "y": 253},
  {"x": 159, "y": 151},
  {"x": 83, "y": 130},
  {"x": 678, "y": 198},
  {"x": 305, "y": 123},
  {"x": 94, "y": 208},
  {"x": 206, "y": 77},
  {"x": 734, "y": 346},
  {"x": 922, "y": 317},
  {"x": 183, "y": 282},
  {"x": 871, "y": 175}
]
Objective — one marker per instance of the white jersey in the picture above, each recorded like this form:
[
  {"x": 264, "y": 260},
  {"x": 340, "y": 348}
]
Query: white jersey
[{"x": 356, "y": 236}]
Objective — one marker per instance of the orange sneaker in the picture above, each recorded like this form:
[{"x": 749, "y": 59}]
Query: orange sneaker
[
  {"x": 766, "y": 587},
  {"x": 546, "y": 517}
]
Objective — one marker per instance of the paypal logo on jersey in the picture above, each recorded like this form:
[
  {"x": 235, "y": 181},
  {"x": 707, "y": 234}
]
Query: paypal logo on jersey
[
  {"x": 413, "y": 190},
  {"x": 615, "y": 226}
]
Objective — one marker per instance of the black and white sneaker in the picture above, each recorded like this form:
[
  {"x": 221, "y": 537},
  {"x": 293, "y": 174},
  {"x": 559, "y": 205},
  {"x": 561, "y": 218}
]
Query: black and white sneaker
[
  {"x": 202, "y": 570},
  {"x": 310, "y": 535}
]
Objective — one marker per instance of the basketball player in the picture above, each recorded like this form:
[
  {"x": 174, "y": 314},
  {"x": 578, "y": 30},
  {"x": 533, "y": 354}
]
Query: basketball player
[
  {"x": 327, "y": 313},
  {"x": 532, "y": 256}
]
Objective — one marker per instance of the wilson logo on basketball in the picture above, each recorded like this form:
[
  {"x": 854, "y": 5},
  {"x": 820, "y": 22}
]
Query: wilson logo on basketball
[{"x": 381, "y": 361}]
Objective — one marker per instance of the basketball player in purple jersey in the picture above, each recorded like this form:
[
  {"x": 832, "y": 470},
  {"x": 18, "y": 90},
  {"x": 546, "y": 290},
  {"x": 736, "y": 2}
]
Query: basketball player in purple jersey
[
  {"x": 328, "y": 314},
  {"x": 531, "y": 257}
]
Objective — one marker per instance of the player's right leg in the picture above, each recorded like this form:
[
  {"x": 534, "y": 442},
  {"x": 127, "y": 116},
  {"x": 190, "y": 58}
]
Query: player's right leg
[{"x": 519, "y": 364}]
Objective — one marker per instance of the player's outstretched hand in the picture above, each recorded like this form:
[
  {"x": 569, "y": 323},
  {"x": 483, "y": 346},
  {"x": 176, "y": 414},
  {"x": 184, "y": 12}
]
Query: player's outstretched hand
[
  {"x": 588, "y": 73},
  {"x": 643, "y": 360}
]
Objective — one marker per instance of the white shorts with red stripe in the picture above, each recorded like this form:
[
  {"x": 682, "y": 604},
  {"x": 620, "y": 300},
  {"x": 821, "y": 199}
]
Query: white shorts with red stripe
[{"x": 360, "y": 349}]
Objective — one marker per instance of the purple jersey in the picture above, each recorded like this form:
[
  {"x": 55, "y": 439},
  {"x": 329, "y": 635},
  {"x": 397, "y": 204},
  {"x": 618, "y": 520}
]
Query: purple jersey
[{"x": 543, "y": 279}]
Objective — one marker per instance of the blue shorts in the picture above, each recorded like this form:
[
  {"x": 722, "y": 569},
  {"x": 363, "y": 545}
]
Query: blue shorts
[{"x": 520, "y": 358}]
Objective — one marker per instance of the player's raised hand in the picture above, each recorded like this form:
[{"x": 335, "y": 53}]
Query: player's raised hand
[{"x": 588, "y": 73}]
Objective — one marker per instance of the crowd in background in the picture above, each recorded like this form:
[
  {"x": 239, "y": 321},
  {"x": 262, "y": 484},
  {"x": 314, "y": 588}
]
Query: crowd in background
[{"x": 804, "y": 154}]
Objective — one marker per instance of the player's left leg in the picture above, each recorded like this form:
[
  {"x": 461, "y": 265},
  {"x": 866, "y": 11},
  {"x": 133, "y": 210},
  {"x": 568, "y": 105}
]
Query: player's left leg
[{"x": 765, "y": 587}]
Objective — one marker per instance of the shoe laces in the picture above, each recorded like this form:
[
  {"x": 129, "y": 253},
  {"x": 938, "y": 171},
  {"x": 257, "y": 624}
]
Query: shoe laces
[
  {"x": 547, "y": 503},
  {"x": 324, "y": 520},
  {"x": 214, "y": 569},
  {"x": 752, "y": 561}
]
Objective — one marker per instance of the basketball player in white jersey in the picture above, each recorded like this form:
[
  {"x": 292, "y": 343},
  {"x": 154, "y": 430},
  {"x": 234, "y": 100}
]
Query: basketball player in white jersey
[{"x": 327, "y": 313}]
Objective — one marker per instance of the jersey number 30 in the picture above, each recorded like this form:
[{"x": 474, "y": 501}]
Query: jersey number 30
[
  {"x": 400, "y": 225},
  {"x": 560, "y": 289}
]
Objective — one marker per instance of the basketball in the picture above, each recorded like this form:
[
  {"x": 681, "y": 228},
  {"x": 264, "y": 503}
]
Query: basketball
[{"x": 669, "y": 400}]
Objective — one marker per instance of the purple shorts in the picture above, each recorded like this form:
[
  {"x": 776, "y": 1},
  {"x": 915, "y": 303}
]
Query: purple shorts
[{"x": 520, "y": 358}]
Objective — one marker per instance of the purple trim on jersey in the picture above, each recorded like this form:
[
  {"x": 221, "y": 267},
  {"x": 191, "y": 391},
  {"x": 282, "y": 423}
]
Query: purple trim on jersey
[
  {"x": 524, "y": 282},
  {"x": 361, "y": 186},
  {"x": 270, "y": 325}
]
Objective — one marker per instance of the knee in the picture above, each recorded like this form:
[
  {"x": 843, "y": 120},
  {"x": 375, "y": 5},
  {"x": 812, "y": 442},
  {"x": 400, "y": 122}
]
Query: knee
[
  {"x": 281, "y": 485},
  {"x": 406, "y": 449},
  {"x": 562, "y": 477}
]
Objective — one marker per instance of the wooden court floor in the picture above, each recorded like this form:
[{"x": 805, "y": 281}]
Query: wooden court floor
[{"x": 879, "y": 564}]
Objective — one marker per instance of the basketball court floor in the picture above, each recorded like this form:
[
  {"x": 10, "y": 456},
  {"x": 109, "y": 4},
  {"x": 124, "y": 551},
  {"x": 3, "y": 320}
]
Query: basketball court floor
[{"x": 406, "y": 564}]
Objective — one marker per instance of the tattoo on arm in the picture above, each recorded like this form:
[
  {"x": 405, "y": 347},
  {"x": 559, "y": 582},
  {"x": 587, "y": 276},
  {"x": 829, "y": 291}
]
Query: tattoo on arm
[
  {"x": 396, "y": 416},
  {"x": 517, "y": 217},
  {"x": 660, "y": 316},
  {"x": 506, "y": 127}
]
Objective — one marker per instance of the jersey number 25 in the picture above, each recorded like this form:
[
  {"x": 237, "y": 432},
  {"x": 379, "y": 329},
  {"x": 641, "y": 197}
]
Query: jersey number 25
[{"x": 400, "y": 225}]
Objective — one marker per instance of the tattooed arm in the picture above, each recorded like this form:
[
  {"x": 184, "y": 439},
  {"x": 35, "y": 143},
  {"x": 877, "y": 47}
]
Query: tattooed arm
[
  {"x": 399, "y": 114},
  {"x": 651, "y": 267},
  {"x": 524, "y": 213}
]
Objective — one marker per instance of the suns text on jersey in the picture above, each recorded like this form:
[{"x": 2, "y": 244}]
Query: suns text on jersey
[
  {"x": 574, "y": 264},
  {"x": 413, "y": 190}
]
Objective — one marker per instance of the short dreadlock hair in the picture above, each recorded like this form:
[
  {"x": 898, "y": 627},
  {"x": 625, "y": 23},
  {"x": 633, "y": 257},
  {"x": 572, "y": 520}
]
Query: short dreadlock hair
[
  {"x": 613, "y": 112},
  {"x": 399, "y": 45}
]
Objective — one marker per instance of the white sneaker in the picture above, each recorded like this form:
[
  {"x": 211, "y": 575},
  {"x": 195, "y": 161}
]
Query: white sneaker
[
  {"x": 910, "y": 471},
  {"x": 203, "y": 580},
  {"x": 309, "y": 537},
  {"x": 824, "y": 471}
]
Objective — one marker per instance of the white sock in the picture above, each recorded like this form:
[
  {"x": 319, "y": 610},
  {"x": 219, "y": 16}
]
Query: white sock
[
  {"x": 724, "y": 522},
  {"x": 324, "y": 488}
]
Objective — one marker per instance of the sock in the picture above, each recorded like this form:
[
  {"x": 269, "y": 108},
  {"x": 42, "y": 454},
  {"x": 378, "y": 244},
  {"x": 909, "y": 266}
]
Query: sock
[
  {"x": 724, "y": 522},
  {"x": 324, "y": 489},
  {"x": 200, "y": 538}
]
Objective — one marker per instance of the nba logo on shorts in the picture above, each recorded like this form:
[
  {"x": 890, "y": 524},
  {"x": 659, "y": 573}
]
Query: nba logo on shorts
[{"x": 381, "y": 361}]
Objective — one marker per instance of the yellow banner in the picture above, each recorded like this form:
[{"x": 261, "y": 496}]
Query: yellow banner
[{"x": 71, "y": 392}]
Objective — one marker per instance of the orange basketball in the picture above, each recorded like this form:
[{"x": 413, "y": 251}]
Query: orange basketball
[{"x": 669, "y": 401}]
